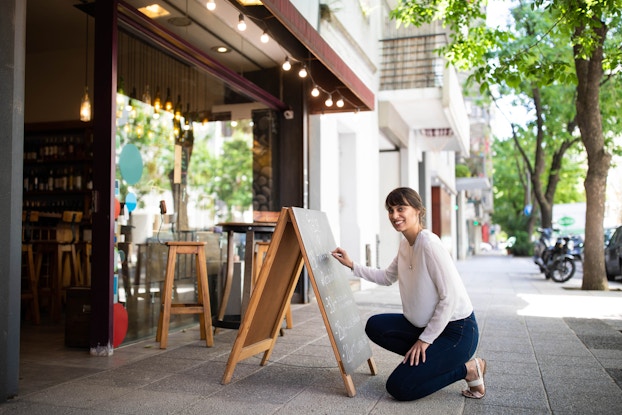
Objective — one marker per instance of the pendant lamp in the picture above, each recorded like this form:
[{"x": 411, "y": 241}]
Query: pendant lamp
[{"x": 85, "y": 105}]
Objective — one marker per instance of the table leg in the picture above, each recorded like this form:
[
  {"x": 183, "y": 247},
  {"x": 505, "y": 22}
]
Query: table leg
[
  {"x": 249, "y": 265},
  {"x": 228, "y": 278}
]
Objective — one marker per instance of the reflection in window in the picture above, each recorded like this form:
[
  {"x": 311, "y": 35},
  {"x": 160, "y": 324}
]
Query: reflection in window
[{"x": 202, "y": 170}]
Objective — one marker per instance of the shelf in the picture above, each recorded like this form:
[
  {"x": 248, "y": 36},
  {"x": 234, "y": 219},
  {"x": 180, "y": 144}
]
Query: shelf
[{"x": 58, "y": 167}]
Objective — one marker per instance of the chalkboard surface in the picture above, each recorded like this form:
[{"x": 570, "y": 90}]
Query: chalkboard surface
[
  {"x": 302, "y": 237},
  {"x": 332, "y": 287}
]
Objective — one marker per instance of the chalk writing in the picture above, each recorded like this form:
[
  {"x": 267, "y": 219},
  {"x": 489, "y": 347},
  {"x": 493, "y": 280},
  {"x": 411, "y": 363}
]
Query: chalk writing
[{"x": 335, "y": 293}]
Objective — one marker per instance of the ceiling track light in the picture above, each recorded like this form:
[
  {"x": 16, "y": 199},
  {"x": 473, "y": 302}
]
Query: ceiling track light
[
  {"x": 241, "y": 23},
  {"x": 211, "y": 6}
]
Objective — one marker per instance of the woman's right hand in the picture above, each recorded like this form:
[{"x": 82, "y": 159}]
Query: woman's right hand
[{"x": 341, "y": 255}]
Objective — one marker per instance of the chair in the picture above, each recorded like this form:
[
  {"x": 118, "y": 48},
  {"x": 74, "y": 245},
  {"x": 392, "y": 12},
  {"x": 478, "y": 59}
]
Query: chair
[
  {"x": 126, "y": 248},
  {"x": 30, "y": 284},
  {"x": 201, "y": 307},
  {"x": 59, "y": 252}
]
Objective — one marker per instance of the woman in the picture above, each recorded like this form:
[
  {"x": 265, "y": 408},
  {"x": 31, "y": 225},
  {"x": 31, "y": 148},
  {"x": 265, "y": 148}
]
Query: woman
[{"x": 437, "y": 333}]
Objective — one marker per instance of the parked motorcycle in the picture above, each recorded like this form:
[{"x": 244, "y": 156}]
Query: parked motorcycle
[{"x": 554, "y": 259}]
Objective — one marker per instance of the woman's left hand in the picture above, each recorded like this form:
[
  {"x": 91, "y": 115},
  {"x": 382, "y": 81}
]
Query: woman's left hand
[{"x": 416, "y": 353}]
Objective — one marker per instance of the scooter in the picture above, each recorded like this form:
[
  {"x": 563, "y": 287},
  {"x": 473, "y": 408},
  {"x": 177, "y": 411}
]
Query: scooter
[{"x": 555, "y": 260}]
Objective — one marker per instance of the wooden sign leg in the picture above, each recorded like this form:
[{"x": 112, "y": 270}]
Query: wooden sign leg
[
  {"x": 372, "y": 366},
  {"x": 347, "y": 380}
]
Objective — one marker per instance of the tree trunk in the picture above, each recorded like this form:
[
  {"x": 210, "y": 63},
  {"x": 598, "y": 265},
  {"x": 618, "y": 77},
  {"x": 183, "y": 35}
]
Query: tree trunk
[{"x": 589, "y": 74}]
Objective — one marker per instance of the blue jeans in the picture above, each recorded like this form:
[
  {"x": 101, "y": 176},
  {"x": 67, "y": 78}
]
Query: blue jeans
[{"x": 445, "y": 358}]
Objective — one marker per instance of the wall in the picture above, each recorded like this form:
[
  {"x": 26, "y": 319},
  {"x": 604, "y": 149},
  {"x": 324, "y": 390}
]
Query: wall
[
  {"x": 55, "y": 85},
  {"x": 12, "y": 38}
]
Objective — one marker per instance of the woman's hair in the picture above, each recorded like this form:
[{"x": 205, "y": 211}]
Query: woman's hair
[{"x": 406, "y": 196}]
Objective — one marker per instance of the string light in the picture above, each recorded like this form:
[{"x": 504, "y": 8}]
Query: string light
[
  {"x": 340, "y": 102},
  {"x": 241, "y": 23},
  {"x": 329, "y": 100},
  {"x": 315, "y": 92},
  {"x": 287, "y": 64},
  {"x": 211, "y": 6},
  {"x": 264, "y": 37},
  {"x": 303, "y": 72}
]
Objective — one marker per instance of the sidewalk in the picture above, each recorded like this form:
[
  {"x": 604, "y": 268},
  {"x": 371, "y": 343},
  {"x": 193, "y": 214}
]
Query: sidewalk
[{"x": 550, "y": 348}]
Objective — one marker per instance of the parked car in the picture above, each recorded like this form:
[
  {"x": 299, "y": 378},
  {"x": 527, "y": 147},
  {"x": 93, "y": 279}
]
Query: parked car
[
  {"x": 608, "y": 233},
  {"x": 613, "y": 255}
]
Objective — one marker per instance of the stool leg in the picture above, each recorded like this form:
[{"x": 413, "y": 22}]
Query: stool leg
[
  {"x": 203, "y": 297},
  {"x": 76, "y": 277},
  {"x": 57, "y": 284},
  {"x": 34, "y": 283},
  {"x": 165, "y": 308}
]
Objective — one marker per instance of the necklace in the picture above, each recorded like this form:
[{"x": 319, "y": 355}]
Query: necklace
[{"x": 412, "y": 248}]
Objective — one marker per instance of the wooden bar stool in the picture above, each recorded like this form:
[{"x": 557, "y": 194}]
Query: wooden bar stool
[
  {"x": 58, "y": 250},
  {"x": 202, "y": 307},
  {"x": 30, "y": 290}
]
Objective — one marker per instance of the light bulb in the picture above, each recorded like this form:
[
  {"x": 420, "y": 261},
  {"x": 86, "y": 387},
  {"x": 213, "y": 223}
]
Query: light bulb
[
  {"x": 287, "y": 65},
  {"x": 315, "y": 91},
  {"x": 157, "y": 103},
  {"x": 340, "y": 102},
  {"x": 241, "y": 23},
  {"x": 147, "y": 96},
  {"x": 168, "y": 104},
  {"x": 264, "y": 38},
  {"x": 211, "y": 6},
  {"x": 303, "y": 72},
  {"x": 85, "y": 106},
  {"x": 329, "y": 101}
]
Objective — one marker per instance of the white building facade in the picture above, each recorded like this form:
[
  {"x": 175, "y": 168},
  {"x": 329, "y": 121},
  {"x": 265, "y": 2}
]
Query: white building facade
[{"x": 419, "y": 126}]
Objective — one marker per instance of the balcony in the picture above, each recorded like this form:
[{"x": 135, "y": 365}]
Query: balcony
[{"x": 420, "y": 93}]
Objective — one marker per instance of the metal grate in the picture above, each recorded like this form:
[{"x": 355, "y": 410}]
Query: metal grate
[{"x": 412, "y": 62}]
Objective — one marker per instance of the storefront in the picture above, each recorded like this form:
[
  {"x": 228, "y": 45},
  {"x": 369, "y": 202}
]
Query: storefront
[{"x": 237, "y": 118}]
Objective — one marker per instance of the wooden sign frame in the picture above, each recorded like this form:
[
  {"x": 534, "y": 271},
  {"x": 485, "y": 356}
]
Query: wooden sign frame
[{"x": 287, "y": 253}]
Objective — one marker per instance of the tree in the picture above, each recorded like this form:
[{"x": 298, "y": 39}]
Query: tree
[{"x": 591, "y": 29}]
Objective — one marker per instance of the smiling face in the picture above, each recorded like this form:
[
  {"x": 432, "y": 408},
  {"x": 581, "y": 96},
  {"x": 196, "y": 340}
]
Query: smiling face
[
  {"x": 404, "y": 218},
  {"x": 406, "y": 212}
]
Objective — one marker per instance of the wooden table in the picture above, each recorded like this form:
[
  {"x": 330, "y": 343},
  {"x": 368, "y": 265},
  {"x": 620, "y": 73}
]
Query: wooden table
[{"x": 251, "y": 230}]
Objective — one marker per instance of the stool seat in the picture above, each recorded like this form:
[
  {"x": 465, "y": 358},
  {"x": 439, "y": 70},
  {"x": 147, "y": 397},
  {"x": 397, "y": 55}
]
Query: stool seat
[{"x": 201, "y": 307}]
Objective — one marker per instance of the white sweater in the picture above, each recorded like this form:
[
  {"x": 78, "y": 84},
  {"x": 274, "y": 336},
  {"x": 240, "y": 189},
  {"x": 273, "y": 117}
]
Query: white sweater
[{"x": 432, "y": 291}]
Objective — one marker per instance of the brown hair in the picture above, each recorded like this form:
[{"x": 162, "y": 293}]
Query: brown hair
[{"x": 406, "y": 196}]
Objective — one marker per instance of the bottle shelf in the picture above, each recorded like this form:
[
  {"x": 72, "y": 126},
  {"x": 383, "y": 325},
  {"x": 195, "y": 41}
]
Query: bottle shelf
[{"x": 58, "y": 172}]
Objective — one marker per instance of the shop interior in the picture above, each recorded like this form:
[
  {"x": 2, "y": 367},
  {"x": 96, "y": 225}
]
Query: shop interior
[{"x": 193, "y": 154}]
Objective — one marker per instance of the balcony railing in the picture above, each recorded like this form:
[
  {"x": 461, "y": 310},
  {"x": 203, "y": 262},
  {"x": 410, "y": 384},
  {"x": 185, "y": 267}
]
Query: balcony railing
[{"x": 412, "y": 62}]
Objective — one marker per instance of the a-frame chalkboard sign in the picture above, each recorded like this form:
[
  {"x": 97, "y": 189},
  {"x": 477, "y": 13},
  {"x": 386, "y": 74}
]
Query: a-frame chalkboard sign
[{"x": 302, "y": 236}]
